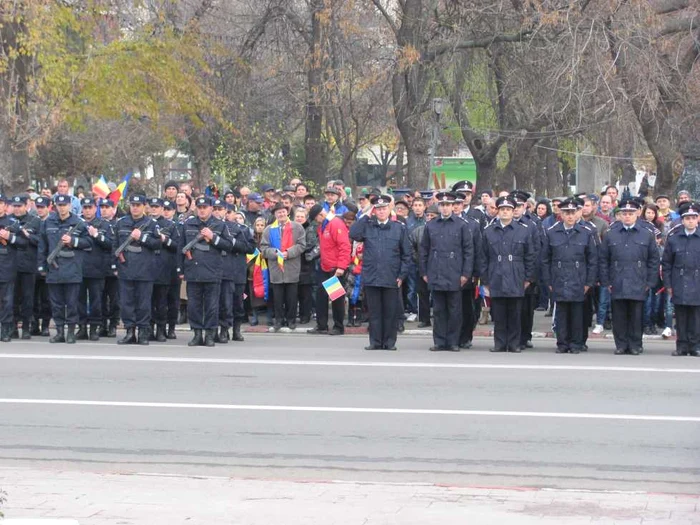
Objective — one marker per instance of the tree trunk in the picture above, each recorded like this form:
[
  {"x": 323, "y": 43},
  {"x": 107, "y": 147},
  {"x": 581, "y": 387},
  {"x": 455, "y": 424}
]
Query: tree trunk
[
  {"x": 690, "y": 178},
  {"x": 14, "y": 165},
  {"x": 199, "y": 143},
  {"x": 316, "y": 157},
  {"x": 665, "y": 151},
  {"x": 520, "y": 165}
]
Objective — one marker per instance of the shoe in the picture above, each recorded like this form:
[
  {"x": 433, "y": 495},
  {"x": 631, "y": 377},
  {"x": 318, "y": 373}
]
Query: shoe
[
  {"x": 144, "y": 336},
  {"x": 635, "y": 351},
  {"x": 160, "y": 334},
  {"x": 277, "y": 327},
  {"x": 607, "y": 324},
  {"x": 516, "y": 350},
  {"x": 129, "y": 338},
  {"x": 522, "y": 347},
  {"x": 667, "y": 333},
  {"x": 679, "y": 353},
  {"x": 411, "y": 317},
  {"x": 497, "y": 350},
  {"x": 237, "y": 335},
  {"x": 620, "y": 352},
  {"x": 653, "y": 330},
  {"x": 694, "y": 353},
  {"x": 528, "y": 344},
  {"x": 82, "y": 334},
  {"x": 171, "y": 332},
  {"x": 373, "y": 347},
  {"x": 584, "y": 348},
  {"x": 401, "y": 328},
  {"x": 336, "y": 331},
  {"x": 598, "y": 329},
  {"x": 209, "y": 337},
  {"x": 254, "y": 322},
  {"x": 70, "y": 334},
  {"x": 466, "y": 345},
  {"x": 59, "y": 337},
  {"x": 112, "y": 330},
  {"x": 452, "y": 348},
  {"x": 647, "y": 330},
  {"x": 14, "y": 334},
  {"x": 197, "y": 339},
  {"x": 576, "y": 351},
  {"x": 36, "y": 330},
  {"x": 103, "y": 330},
  {"x": 424, "y": 325},
  {"x": 26, "y": 333},
  {"x": 561, "y": 351},
  {"x": 94, "y": 332},
  {"x": 5, "y": 334},
  {"x": 390, "y": 348},
  {"x": 45, "y": 328},
  {"x": 292, "y": 326},
  {"x": 318, "y": 331},
  {"x": 222, "y": 336}
]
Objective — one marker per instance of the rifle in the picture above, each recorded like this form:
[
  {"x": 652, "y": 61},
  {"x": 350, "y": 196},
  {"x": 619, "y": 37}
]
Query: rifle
[
  {"x": 119, "y": 252},
  {"x": 187, "y": 250},
  {"x": 51, "y": 259}
]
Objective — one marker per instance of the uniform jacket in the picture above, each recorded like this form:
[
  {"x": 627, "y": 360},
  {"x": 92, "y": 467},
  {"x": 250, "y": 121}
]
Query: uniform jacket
[
  {"x": 569, "y": 261},
  {"x": 9, "y": 252},
  {"x": 629, "y": 262},
  {"x": 446, "y": 253},
  {"x": 100, "y": 252},
  {"x": 334, "y": 241},
  {"x": 166, "y": 257},
  {"x": 292, "y": 265},
  {"x": 26, "y": 252},
  {"x": 235, "y": 264},
  {"x": 207, "y": 262},
  {"x": 140, "y": 258},
  {"x": 476, "y": 230},
  {"x": 386, "y": 251},
  {"x": 70, "y": 258},
  {"x": 681, "y": 266},
  {"x": 312, "y": 253},
  {"x": 476, "y": 214},
  {"x": 534, "y": 226},
  {"x": 509, "y": 259}
]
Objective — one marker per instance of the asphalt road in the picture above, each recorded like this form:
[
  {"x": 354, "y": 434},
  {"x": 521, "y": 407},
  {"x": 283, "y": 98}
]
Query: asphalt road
[{"x": 305, "y": 407}]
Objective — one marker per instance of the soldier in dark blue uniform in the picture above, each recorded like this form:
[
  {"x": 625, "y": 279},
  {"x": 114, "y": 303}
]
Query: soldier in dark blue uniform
[
  {"x": 110, "y": 294},
  {"x": 227, "y": 287},
  {"x": 446, "y": 257},
  {"x": 204, "y": 239},
  {"x": 100, "y": 235},
  {"x": 173, "y": 299},
  {"x": 10, "y": 240},
  {"x": 510, "y": 267},
  {"x": 385, "y": 264},
  {"x": 467, "y": 188},
  {"x": 26, "y": 265},
  {"x": 570, "y": 268},
  {"x": 42, "y": 303},
  {"x": 136, "y": 269},
  {"x": 681, "y": 274},
  {"x": 629, "y": 266},
  {"x": 64, "y": 234},
  {"x": 166, "y": 262}
]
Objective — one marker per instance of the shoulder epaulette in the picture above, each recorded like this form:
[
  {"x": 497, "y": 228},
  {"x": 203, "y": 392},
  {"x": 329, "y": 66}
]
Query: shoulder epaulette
[
  {"x": 553, "y": 225},
  {"x": 522, "y": 224}
]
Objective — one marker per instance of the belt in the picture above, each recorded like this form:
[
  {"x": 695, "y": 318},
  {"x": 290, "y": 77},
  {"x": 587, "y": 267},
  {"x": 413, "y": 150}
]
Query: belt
[
  {"x": 134, "y": 249},
  {"x": 202, "y": 246},
  {"x": 67, "y": 254},
  {"x": 510, "y": 258},
  {"x": 4, "y": 250}
]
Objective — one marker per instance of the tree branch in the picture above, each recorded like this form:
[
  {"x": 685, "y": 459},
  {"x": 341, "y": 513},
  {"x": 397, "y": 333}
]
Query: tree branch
[
  {"x": 386, "y": 15},
  {"x": 669, "y": 6},
  {"x": 476, "y": 43},
  {"x": 678, "y": 25}
]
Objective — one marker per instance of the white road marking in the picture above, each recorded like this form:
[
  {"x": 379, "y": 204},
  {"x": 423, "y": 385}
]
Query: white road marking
[
  {"x": 369, "y": 364},
  {"x": 353, "y": 410}
]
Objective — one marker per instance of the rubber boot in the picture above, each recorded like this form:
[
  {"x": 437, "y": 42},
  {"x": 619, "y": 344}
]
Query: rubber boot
[
  {"x": 209, "y": 337},
  {"x": 70, "y": 334},
  {"x": 82, "y": 334},
  {"x": 94, "y": 332},
  {"x": 129, "y": 338},
  {"x": 197, "y": 339},
  {"x": 112, "y": 330},
  {"x": 45, "y": 328},
  {"x": 237, "y": 335},
  {"x": 60, "y": 336},
  {"x": 36, "y": 329},
  {"x": 103, "y": 329},
  {"x": 5, "y": 331},
  {"x": 160, "y": 334},
  {"x": 144, "y": 336},
  {"x": 171, "y": 332}
]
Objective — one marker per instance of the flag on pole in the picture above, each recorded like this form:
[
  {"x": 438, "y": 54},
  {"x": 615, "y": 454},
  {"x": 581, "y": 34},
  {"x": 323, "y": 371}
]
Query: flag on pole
[
  {"x": 333, "y": 288},
  {"x": 250, "y": 256},
  {"x": 100, "y": 188},
  {"x": 121, "y": 190}
]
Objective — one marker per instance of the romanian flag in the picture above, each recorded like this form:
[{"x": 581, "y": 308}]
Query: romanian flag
[
  {"x": 281, "y": 238},
  {"x": 333, "y": 288},
  {"x": 120, "y": 192},
  {"x": 261, "y": 278},
  {"x": 100, "y": 188},
  {"x": 250, "y": 256}
]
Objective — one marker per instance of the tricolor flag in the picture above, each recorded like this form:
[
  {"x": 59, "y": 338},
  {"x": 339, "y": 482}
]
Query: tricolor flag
[
  {"x": 100, "y": 188},
  {"x": 250, "y": 256},
  {"x": 120, "y": 192},
  {"x": 280, "y": 260},
  {"x": 333, "y": 288}
]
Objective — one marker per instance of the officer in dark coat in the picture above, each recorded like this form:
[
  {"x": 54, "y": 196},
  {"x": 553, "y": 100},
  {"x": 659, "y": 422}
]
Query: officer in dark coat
[
  {"x": 681, "y": 274},
  {"x": 629, "y": 266},
  {"x": 569, "y": 270},
  {"x": 385, "y": 265},
  {"x": 64, "y": 234},
  {"x": 100, "y": 235},
  {"x": 26, "y": 265},
  {"x": 110, "y": 296},
  {"x": 166, "y": 262},
  {"x": 42, "y": 303},
  {"x": 244, "y": 245},
  {"x": 11, "y": 239},
  {"x": 510, "y": 262},
  {"x": 204, "y": 239},
  {"x": 467, "y": 188},
  {"x": 173, "y": 231},
  {"x": 446, "y": 258},
  {"x": 136, "y": 269}
]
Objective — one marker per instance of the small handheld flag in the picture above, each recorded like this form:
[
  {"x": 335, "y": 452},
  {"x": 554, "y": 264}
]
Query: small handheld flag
[
  {"x": 334, "y": 288},
  {"x": 280, "y": 260},
  {"x": 250, "y": 256},
  {"x": 100, "y": 188}
]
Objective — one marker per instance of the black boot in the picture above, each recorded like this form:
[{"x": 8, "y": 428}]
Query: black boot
[
  {"x": 45, "y": 328},
  {"x": 112, "y": 330},
  {"x": 237, "y": 335},
  {"x": 222, "y": 336},
  {"x": 129, "y": 338},
  {"x": 36, "y": 329},
  {"x": 60, "y": 337},
  {"x": 209, "y": 337},
  {"x": 70, "y": 334},
  {"x": 15, "y": 331},
  {"x": 197, "y": 339},
  {"x": 144, "y": 336},
  {"x": 182, "y": 318},
  {"x": 94, "y": 332},
  {"x": 26, "y": 331},
  {"x": 160, "y": 334},
  {"x": 103, "y": 330},
  {"x": 171, "y": 332},
  {"x": 82, "y": 334},
  {"x": 5, "y": 333}
]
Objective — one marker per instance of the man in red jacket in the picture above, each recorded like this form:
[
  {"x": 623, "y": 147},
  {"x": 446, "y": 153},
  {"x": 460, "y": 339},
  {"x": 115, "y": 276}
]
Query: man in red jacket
[{"x": 335, "y": 248}]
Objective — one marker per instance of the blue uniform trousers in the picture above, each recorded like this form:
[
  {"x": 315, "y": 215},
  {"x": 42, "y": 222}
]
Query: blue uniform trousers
[
  {"x": 136, "y": 303},
  {"x": 203, "y": 305},
  {"x": 64, "y": 303}
]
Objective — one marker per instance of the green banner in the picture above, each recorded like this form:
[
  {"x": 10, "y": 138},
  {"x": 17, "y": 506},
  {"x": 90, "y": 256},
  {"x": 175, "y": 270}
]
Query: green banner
[{"x": 449, "y": 170}]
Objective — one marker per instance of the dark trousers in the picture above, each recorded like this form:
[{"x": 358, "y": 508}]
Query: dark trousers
[
  {"x": 447, "y": 318},
  {"x": 226, "y": 304},
  {"x": 24, "y": 298},
  {"x": 174, "y": 301},
  {"x": 6, "y": 301},
  {"x": 64, "y": 303},
  {"x": 203, "y": 305},
  {"x": 136, "y": 303},
  {"x": 306, "y": 302},
  {"x": 383, "y": 304},
  {"x": 238, "y": 308},
  {"x": 90, "y": 301},
  {"x": 627, "y": 323},
  {"x": 529, "y": 303},
  {"x": 466, "y": 334},
  {"x": 423, "y": 301},
  {"x": 159, "y": 304},
  {"x": 338, "y": 306},
  {"x": 284, "y": 297},
  {"x": 110, "y": 299},
  {"x": 687, "y": 328},
  {"x": 42, "y": 302},
  {"x": 570, "y": 322},
  {"x": 587, "y": 314},
  {"x": 506, "y": 312}
]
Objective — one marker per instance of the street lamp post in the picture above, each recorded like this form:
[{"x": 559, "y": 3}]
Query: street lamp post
[{"x": 438, "y": 106}]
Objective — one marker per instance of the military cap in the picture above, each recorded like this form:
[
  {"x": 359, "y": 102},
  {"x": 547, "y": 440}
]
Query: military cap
[
  {"x": 62, "y": 200},
  {"x": 446, "y": 197},
  {"x": 460, "y": 196},
  {"x": 506, "y": 202},
  {"x": 106, "y": 202},
  {"x": 202, "y": 201},
  {"x": 87, "y": 201},
  {"x": 380, "y": 201},
  {"x": 19, "y": 199},
  {"x": 427, "y": 194},
  {"x": 137, "y": 199},
  {"x": 168, "y": 204},
  {"x": 218, "y": 203},
  {"x": 579, "y": 202},
  {"x": 569, "y": 204},
  {"x": 689, "y": 208},
  {"x": 520, "y": 196},
  {"x": 4, "y": 199},
  {"x": 628, "y": 205},
  {"x": 41, "y": 202},
  {"x": 464, "y": 186},
  {"x": 155, "y": 202}
]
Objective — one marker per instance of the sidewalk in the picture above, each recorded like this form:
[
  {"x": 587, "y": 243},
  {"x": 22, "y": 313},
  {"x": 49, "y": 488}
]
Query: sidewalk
[{"x": 124, "y": 499}]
